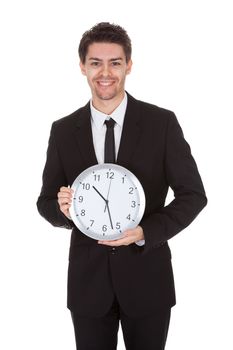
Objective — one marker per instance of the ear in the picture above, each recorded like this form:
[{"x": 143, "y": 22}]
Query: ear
[
  {"x": 129, "y": 66},
  {"x": 82, "y": 67}
]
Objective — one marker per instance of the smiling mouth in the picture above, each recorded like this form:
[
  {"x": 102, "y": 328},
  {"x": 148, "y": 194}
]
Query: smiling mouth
[{"x": 105, "y": 83}]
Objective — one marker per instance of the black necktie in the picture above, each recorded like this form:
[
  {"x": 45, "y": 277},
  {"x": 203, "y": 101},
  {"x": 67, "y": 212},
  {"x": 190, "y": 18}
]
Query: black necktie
[{"x": 109, "y": 148}]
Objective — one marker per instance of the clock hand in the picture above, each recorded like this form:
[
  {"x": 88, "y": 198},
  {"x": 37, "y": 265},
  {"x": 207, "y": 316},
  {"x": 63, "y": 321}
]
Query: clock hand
[
  {"x": 108, "y": 195},
  {"x": 106, "y": 201},
  {"x": 99, "y": 193},
  {"x": 109, "y": 214}
]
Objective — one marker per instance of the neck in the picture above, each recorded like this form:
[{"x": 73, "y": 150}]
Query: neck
[{"x": 107, "y": 106}]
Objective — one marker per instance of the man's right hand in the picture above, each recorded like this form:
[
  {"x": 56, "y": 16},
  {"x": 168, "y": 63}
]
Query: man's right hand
[{"x": 65, "y": 199}]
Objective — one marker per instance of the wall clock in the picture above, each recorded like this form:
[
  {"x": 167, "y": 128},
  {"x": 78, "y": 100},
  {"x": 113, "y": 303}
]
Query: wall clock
[{"x": 108, "y": 199}]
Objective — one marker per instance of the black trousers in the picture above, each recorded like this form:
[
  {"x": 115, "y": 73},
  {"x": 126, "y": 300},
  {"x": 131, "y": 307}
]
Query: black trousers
[{"x": 145, "y": 333}]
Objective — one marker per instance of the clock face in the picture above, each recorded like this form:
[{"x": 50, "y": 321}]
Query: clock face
[{"x": 108, "y": 199}]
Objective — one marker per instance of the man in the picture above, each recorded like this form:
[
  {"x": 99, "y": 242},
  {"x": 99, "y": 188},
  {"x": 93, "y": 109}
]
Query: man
[{"x": 129, "y": 279}]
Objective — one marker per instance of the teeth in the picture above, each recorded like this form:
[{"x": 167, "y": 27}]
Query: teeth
[{"x": 105, "y": 83}]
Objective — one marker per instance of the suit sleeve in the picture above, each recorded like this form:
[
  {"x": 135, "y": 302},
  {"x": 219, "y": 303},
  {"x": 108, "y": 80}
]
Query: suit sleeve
[
  {"x": 189, "y": 195},
  {"x": 52, "y": 180}
]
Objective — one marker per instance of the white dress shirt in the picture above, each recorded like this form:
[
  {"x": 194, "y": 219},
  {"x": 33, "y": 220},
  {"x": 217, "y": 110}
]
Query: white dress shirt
[{"x": 99, "y": 130}]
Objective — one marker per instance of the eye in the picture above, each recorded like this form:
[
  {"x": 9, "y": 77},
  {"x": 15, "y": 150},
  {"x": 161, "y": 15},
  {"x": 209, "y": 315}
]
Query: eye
[
  {"x": 95, "y": 64},
  {"x": 116, "y": 63}
]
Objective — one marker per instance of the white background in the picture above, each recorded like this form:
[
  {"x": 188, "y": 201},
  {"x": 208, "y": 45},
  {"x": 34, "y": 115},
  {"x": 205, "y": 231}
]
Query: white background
[{"x": 182, "y": 53}]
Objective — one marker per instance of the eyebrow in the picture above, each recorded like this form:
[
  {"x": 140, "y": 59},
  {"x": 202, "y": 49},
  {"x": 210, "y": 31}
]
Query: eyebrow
[{"x": 112, "y": 59}]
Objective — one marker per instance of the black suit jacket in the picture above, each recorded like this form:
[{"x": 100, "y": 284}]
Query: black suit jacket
[{"x": 154, "y": 149}]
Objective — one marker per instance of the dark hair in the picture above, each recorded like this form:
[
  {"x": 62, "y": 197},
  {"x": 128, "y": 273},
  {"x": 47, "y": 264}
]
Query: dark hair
[{"x": 105, "y": 32}]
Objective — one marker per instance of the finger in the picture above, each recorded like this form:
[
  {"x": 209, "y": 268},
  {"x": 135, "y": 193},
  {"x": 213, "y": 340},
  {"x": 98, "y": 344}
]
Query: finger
[
  {"x": 65, "y": 209},
  {"x": 66, "y": 206},
  {"x": 66, "y": 189},
  {"x": 64, "y": 195},
  {"x": 62, "y": 202},
  {"x": 117, "y": 243}
]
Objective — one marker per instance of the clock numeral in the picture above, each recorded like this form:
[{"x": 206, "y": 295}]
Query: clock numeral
[
  {"x": 128, "y": 217},
  {"x": 110, "y": 175},
  {"x": 86, "y": 186},
  {"x": 133, "y": 205},
  {"x": 97, "y": 177},
  {"x": 123, "y": 180},
  {"x": 118, "y": 225},
  {"x": 80, "y": 199},
  {"x": 92, "y": 222},
  {"x": 83, "y": 212},
  {"x": 104, "y": 228},
  {"x": 131, "y": 190}
]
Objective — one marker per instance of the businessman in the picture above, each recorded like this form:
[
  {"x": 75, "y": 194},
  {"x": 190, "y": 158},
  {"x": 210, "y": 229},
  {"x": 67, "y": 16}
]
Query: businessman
[{"x": 130, "y": 279}]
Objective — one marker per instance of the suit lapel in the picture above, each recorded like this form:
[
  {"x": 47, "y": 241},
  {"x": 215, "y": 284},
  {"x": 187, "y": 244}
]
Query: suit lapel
[
  {"x": 130, "y": 133},
  {"x": 83, "y": 135}
]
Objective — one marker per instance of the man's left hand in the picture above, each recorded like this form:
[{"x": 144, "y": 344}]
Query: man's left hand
[{"x": 130, "y": 236}]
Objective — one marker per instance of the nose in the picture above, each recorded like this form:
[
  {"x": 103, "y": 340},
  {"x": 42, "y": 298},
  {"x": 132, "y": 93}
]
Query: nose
[{"x": 105, "y": 70}]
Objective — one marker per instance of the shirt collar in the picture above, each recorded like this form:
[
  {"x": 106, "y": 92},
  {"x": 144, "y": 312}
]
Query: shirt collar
[{"x": 118, "y": 114}]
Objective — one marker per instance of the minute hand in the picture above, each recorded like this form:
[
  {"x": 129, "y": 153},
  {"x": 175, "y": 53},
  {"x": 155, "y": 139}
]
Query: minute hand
[
  {"x": 106, "y": 201},
  {"x": 109, "y": 215}
]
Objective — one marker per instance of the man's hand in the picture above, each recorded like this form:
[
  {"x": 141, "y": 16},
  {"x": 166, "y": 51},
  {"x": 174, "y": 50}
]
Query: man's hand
[
  {"x": 64, "y": 200},
  {"x": 130, "y": 236}
]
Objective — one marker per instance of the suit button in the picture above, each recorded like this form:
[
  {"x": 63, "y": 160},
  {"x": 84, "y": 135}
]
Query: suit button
[{"x": 113, "y": 250}]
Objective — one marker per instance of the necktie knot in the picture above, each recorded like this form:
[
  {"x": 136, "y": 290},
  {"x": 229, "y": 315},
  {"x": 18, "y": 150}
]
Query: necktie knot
[{"x": 110, "y": 123}]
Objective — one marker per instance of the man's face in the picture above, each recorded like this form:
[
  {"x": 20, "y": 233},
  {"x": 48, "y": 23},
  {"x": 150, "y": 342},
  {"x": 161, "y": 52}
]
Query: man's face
[{"x": 105, "y": 68}]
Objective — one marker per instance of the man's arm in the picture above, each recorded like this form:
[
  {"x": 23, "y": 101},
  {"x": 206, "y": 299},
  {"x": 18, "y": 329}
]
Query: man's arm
[
  {"x": 53, "y": 179},
  {"x": 183, "y": 177}
]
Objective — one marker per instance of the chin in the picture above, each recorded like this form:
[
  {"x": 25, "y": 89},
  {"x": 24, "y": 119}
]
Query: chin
[{"x": 106, "y": 96}]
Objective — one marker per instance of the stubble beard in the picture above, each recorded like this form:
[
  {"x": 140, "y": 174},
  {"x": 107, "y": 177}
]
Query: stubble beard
[{"x": 108, "y": 95}]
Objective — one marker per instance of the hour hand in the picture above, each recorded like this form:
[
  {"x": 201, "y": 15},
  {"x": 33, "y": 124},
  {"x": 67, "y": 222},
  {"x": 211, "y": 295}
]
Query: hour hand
[{"x": 99, "y": 193}]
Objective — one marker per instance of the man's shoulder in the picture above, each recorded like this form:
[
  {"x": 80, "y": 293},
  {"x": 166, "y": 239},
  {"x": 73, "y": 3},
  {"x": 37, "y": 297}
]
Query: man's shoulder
[
  {"x": 152, "y": 111},
  {"x": 153, "y": 108},
  {"x": 73, "y": 118}
]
